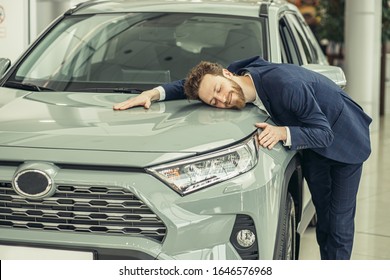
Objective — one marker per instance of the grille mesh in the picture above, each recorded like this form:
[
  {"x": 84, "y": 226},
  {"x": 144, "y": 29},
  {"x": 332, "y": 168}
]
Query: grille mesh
[{"x": 87, "y": 209}]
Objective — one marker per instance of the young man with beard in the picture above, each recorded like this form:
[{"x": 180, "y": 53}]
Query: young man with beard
[{"x": 311, "y": 114}]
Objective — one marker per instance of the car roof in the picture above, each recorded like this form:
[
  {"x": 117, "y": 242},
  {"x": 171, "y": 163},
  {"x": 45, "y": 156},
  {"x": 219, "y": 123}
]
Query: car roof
[{"x": 227, "y": 7}]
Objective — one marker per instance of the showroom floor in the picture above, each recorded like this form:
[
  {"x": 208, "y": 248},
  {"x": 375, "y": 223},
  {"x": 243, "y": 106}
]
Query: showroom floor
[{"x": 372, "y": 234}]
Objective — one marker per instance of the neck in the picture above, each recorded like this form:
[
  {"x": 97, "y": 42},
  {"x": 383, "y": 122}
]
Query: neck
[{"x": 248, "y": 88}]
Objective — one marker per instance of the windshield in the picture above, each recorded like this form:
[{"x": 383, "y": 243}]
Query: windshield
[{"x": 137, "y": 50}]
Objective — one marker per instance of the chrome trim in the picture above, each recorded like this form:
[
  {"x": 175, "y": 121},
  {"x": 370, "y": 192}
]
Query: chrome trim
[{"x": 22, "y": 190}]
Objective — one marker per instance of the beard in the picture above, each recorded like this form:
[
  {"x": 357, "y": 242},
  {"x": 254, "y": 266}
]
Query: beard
[{"x": 238, "y": 97}]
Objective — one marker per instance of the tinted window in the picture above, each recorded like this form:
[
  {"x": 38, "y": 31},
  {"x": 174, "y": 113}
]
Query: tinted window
[{"x": 289, "y": 47}]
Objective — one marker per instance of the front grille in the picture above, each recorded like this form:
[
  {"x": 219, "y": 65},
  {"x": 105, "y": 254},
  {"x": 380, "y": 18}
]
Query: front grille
[{"x": 87, "y": 209}]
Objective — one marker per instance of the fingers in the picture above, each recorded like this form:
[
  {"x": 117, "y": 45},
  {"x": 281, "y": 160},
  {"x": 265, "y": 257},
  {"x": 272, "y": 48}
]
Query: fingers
[
  {"x": 144, "y": 99},
  {"x": 147, "y": 104},
  {"x": 268, "y": 136},
  {"x": 123, "y": 105},
  {"x": 133, "y": 102},
  {"x": 268, "y": 141}
]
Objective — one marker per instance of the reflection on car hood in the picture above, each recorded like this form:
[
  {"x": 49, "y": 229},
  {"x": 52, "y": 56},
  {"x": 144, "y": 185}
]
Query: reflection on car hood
[{"x": 86, "y": 121}]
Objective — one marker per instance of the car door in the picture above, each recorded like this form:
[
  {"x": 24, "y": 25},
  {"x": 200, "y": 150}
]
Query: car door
[{"x": 298, "y": 44}]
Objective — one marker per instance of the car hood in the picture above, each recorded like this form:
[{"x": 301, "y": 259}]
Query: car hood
[{"x": 86, "y": 121}]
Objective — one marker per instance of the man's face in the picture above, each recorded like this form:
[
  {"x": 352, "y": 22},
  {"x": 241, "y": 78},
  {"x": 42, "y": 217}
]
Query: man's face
[{"x": 221, "y": 92}]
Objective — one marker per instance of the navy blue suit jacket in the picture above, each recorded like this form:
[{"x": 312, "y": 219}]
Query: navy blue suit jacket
[{"x": 319, "y": 114}]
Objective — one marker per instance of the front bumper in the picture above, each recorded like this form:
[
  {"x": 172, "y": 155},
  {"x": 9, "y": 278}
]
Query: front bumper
[{"x": 197, "y": 226}]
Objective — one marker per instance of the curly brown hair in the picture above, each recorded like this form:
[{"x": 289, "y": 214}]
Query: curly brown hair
[{"x": 195, "y": 76}]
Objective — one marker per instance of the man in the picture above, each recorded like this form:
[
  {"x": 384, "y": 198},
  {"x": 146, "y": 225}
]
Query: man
[{"x": 312, "y": 114}]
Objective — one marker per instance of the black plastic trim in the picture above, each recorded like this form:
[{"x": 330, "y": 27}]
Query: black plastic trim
[
  {"x": 245, "y": 222},
  {"x": 82, "y": 5},
  {"x": 263, "y": 12},
  {"x": 291, "y": 168}
]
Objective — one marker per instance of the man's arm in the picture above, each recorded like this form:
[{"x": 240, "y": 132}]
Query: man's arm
[
  {"x": 312, "y": 129},
  {"x": 169, "y": 91},
  {"x": 143, "y": 99},
  {"x": 174, "y": 90}
]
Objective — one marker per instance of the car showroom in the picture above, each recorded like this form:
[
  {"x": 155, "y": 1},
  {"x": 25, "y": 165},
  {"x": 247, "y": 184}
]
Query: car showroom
[{"x": 110, "y": 149}]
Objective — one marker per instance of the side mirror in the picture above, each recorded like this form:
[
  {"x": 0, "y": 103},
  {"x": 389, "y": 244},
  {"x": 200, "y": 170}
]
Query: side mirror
[
  {"x": 336, "y": 74},
  {"x": 5, "y": 63}
]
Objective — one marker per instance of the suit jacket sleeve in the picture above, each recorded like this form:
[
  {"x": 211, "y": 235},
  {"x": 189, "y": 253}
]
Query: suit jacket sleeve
[
  {"x": 311, "y": 128},
  {"x": 174, "y": 90}
]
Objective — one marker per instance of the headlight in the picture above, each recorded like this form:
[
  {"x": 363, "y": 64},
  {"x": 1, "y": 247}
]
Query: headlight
[{"x": 186, "y": 176}]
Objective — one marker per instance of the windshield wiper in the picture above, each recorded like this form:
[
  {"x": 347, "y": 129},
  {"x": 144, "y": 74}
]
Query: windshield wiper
[
  {"x": 27, "y": 86},
  {"x": 128, "y": 90},
  {"x": 120, "y": 90}
]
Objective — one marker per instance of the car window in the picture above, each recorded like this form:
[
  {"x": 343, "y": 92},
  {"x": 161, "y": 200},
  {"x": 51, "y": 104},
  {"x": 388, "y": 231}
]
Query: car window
[
  {"x": 289, "y": 46},
  {"x": 139, "y": 49},
  {"x": 308, "y": 53},
  {"x": 306, "y": 43},
  {"x": 318, "y": 54}
]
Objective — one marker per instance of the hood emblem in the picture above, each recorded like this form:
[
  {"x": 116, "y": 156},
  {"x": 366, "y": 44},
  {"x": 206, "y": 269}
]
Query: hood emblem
[{"x": 33, "y": 183}]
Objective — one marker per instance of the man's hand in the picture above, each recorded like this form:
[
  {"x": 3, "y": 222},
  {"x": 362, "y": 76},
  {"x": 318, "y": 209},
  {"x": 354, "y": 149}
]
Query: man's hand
[
  {"x": 143, "y": 99},
  {"x": 271, "y": 135}
]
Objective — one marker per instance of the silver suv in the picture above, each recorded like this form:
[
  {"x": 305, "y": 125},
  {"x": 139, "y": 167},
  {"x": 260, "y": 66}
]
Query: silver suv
[{"x": 181, "y": 180}]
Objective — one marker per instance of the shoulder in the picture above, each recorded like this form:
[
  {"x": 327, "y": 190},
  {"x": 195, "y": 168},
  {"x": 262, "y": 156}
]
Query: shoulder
[{"x": 240, "y": 65}]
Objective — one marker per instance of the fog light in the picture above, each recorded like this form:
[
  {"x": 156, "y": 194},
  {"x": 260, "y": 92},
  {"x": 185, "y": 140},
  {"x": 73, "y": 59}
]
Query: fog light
[{"x": 246, "y": 238}]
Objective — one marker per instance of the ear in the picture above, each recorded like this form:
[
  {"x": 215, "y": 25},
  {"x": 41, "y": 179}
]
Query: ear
[{"x": 227, "y": 74}]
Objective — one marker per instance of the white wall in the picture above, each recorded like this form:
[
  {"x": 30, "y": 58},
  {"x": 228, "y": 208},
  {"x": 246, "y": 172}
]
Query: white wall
[
  {"x": 45, "y": 11},
  {"x": 14, "y": 28},
  {"x": 362, "y": 54},
  {"x": 24, "y": 20}
]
